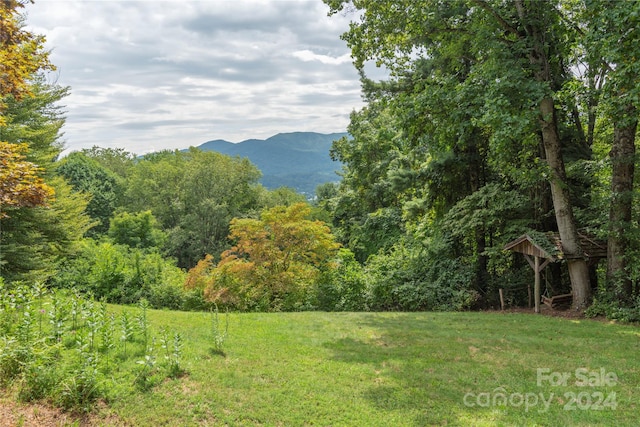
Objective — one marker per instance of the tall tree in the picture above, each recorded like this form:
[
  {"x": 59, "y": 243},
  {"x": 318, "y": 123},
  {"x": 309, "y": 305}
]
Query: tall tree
[
  {"x": 194, "y": 195},
  {"x": 36, "y": 239},
  {"x": 538, "y": 23},
  {"x": 102, "y": 186},
  {"x": 612, "y": 39},
  {"x": 22, "y": 54},
  {"x": 516, "y": 51}
]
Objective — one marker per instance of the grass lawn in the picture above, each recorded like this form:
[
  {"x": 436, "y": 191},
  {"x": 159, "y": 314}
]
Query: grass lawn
[{"x": 395, "y": 369}]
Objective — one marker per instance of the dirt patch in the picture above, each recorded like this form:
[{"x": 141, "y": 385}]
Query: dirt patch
[
  {"x": 14, "y": 414},
  {"x": 548, "y": 311}
]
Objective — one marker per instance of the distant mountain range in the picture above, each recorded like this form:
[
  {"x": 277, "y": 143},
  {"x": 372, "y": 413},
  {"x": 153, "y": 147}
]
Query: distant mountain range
[{"x": 299, "y": 160}]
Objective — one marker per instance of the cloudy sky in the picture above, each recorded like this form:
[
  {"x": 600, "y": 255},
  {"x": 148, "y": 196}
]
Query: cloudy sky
[{"x": 149, "y": 75}]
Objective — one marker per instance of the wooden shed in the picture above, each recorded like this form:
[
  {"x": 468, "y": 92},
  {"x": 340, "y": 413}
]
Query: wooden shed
[{"x": 540, "y": 249}]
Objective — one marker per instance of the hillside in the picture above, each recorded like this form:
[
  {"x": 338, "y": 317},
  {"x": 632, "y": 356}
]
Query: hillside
[{"x": 299, "y": 160}]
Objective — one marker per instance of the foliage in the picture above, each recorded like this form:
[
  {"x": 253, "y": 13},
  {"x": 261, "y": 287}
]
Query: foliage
[
  {"x": 101, "y": 185},
  {"x": 274, "y": 263},
  {"x": 139, "y": 230},
  {"x": 493, "y": 120},
  {"x": 282, "y": 196},
  {"x": 22, "y": 54},
  {"x": 194, "y": 195},
  {"x": 409, "y": 278},
  {"x": 37, "y": 121},
  {"x": 366, "y": 206},
  {"x": 20, "y": 185},
  {"x": 117, "y": 160},
  {"x": 342, "y": 286},
  {"x": 71, "y": 360},
  {"x": 122, "y": 274},
  {"x": 35, "y": 241},
  {"x": 172, "y": 347},
  {"x": 218, "y": 333},
  {"x": 607, "y": 304}
]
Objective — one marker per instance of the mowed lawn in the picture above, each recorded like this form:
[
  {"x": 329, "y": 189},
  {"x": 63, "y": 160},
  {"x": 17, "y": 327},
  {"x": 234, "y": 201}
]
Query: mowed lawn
[{"x": 395, "y": 369}]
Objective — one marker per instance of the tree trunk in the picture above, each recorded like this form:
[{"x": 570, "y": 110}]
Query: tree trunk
[
  {"x": 622, "y": 158},
  {"x": 578, "y": 268},
  {"x": 476, "y": 181},
  {"x": 535, "y": 20}
]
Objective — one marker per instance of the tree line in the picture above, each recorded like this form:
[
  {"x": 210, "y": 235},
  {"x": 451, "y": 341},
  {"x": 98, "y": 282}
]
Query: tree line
[{"x": 498, "y": 118}]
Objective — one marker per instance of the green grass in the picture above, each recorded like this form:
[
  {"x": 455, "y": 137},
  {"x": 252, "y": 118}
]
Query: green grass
[{"x": 388, "y": 369}]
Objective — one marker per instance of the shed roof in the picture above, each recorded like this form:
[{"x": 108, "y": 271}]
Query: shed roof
[{"x": 549, "y": 246}]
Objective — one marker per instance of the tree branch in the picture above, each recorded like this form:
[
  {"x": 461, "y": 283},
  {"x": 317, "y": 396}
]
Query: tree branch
[{"x": 505, "y": 25}]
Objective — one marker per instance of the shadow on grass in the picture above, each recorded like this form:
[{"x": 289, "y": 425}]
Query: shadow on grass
[
  {"x": 422, "y": 365},
  {"x": 217, "y": 352}
]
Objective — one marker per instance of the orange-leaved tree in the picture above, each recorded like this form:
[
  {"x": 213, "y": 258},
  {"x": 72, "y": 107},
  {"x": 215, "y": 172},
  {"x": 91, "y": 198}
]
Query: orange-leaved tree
[{"x": 275, "y": 261}]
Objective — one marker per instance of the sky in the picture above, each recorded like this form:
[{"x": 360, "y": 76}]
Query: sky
[{"x": 152, "y": 75}]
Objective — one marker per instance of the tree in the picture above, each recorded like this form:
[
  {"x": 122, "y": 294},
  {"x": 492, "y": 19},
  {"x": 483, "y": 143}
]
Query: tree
[
  {"x": 546, "y": 57},
  {"x": 511, "y": 60},
  {"x": 22, "y": 54},
  {"x": 36, "y": 239},
  {"x": 117, "y": 160},
  {"x": 139, "y": 230},
  {"x": 613, "y": 42},
  {"x": 101, "y": 185},
  {"x": 155, "y": 184},
  {"x": 20, "y": 185},
  {"x": 41, "y": 229},
  {"x": 367, "y": 206},
  {"x": 37, "y": 120},
  {"x": 193, "y": 195},
  {"x": 275, "y": 260}
]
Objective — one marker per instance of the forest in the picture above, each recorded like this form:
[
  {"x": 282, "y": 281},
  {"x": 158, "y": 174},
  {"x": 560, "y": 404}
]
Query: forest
[{"x": 499, "y": 119}]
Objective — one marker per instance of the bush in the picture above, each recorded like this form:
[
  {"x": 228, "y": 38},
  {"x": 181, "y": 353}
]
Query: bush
[
  {"x": 342, "y": 286},
  {"x": 409, "y": 278},
  {"x": 123, "y": 275},
  {"x": 607, "y": 305}
]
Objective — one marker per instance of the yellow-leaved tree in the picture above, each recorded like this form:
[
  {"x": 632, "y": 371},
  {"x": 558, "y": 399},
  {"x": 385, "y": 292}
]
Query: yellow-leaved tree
[
  {"x": 22, "y": 55},
  {"x": 274, "y": 263},
  {"x": 20, "y": 185}
]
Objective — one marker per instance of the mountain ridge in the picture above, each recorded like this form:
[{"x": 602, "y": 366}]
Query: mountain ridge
[{"x": 299, "y": 160}]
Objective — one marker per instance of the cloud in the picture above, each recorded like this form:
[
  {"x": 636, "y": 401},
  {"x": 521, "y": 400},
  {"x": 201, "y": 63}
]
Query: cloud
[
  {"x": 147, "y": 75},
  {"x": 307, "y": 56}
]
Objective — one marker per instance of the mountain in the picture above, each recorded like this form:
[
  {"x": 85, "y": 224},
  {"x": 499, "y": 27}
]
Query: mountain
[{"x": 298, "y": 160}]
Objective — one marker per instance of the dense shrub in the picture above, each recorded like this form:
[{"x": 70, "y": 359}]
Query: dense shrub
[
  {"x": 123, "y": 275},
  {"x": 342, "y": 287},
  {"x": 607, "y": 305},
  {"x": 407, "y": 278}
]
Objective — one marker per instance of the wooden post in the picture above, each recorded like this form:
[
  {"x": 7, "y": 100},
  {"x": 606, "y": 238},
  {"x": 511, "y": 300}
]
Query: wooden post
[
  {"x": 501, "y": 299},
  {"x": 529, "y": 292},
  {"x": 536, "y": 288}
]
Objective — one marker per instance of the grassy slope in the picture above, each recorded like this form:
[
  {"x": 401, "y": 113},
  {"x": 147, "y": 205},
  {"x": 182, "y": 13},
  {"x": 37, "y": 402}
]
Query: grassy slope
[{"x": 386, "y": 369}]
